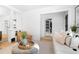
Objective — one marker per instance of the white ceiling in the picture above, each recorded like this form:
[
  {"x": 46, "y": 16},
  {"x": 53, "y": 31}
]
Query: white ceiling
[{"x": 24, "y": 8}]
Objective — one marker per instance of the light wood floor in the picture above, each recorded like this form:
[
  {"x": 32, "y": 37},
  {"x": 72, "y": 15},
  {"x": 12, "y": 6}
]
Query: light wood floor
[{"x": 46, "y": 47}]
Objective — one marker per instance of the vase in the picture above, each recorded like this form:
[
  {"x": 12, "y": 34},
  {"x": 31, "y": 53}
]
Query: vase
[{"x": 24, "y": 41}]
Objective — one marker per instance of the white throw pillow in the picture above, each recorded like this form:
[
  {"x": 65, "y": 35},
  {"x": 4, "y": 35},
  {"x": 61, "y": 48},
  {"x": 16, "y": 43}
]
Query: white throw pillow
[{"x": 75, "y": 42}]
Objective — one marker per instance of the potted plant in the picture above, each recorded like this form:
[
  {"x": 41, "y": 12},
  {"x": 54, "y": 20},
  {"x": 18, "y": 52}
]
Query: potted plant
[
  {"x": 24, "y": 40},
  {"x": 74, "y": 28}
]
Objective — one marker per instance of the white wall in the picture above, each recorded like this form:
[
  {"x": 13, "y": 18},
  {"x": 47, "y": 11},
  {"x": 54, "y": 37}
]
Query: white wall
[
  {"x": 58, "y": 22},
  {"x": 31, "y": 23},
  {"x": 77, "y": 18},
  {"x": 9, "y": 14},
  {"x": 31, "y": 19},
  {"x": 11, "y": 29},
  {"x": 4, "y": 15}
]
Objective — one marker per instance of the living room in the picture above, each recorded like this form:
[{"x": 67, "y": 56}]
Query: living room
[{"x": 18, "y": 21}]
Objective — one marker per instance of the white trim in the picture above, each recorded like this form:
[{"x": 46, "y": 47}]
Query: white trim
[{"x": 12, "y": 8}]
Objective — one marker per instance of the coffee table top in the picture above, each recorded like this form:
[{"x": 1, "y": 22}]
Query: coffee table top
[{"x": 33, "y": 50}]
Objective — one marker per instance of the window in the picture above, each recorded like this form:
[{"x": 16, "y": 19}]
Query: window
[{"x": 49, "y": 26}]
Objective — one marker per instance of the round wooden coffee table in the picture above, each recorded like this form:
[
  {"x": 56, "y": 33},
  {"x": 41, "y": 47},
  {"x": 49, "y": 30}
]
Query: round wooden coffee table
[{"x": 33, "y": 50}]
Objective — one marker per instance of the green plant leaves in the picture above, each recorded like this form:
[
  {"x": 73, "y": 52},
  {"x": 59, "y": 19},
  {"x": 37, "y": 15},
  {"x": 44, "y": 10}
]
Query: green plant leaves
[
  {"x": 23, "y": 35},
  {"x": 74, "y": 28}
]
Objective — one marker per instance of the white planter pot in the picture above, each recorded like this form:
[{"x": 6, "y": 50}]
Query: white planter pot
[{"x": 24, "y": 41}]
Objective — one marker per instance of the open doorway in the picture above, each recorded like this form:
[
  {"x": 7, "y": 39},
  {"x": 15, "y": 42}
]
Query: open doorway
[{"x": 53, "y": 22}]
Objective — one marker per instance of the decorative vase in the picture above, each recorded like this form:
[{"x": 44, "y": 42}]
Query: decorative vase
[{"x": 24, "y": 41}]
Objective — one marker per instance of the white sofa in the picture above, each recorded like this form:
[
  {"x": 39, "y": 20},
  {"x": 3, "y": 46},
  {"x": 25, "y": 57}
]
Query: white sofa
[{"x": 59, "y": 47}]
